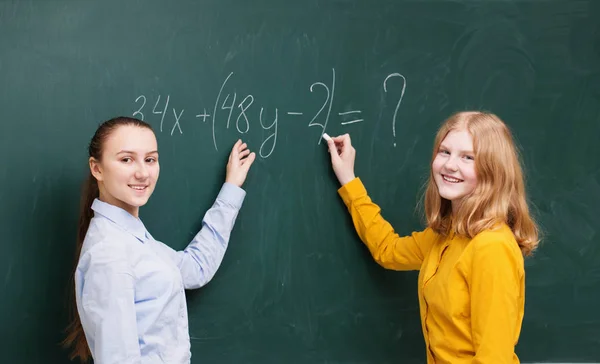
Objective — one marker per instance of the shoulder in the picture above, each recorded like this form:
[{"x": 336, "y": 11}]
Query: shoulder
[
  {"x": 428, "y": 241},
  {"x": 105, "y": 232},
  {"x": 497, "y": 244},
  {"x": 106, "y": 246},
  {"x": 501, "y": 235},
  {"x": 429, "y": 236}
]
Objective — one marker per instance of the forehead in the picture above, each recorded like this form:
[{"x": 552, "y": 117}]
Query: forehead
[
  {"x": 459, "y": 138},
  {"x": 131, "y": 138}
]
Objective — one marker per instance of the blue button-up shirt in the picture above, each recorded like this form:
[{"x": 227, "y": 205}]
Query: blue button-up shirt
[{"x": 130, "y": 288}]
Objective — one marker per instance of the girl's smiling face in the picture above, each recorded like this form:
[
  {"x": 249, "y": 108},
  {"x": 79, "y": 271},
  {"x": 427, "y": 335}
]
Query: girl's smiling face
[
  {"x": 128, "y": 170},
  {"x": 454, "y": 167}
]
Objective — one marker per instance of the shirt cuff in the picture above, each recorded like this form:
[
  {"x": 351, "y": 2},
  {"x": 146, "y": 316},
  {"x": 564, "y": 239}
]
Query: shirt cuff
[
  {"x": 352, "y": 190},
  {"x": 232, "y": 195}
]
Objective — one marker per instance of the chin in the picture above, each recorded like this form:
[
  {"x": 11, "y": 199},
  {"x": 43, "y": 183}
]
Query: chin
[
  {"x": 450, "y": 196},
  {"x": 139, "y": 202}
]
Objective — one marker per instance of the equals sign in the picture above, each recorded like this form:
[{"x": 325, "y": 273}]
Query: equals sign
[{"x": 350, "y": 113}]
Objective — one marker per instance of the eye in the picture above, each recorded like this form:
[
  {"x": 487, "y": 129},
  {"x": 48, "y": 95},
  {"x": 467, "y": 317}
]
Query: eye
[
  {"x": 469, "y": 157},
  {"x": 444, "y": 151},
  {"x": 151, "y": 160},
  {"x": 126, "y": 159}
]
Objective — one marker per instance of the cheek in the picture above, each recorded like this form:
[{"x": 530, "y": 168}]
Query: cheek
[
  {"x": 117, "y": 174},
  {"x": 437, "y": 164},
  {"x": 470, "y": 175}
]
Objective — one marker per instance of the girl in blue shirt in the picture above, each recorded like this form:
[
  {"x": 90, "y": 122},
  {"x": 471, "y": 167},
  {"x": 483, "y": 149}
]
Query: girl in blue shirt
[{"x": 129, "y": 287}]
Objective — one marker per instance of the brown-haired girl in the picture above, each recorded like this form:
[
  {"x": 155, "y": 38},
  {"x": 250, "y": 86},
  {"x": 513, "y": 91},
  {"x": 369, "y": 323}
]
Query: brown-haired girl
[{"x": 129, "y": 287}]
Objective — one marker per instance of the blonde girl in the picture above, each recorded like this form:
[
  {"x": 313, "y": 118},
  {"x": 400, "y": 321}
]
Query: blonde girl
[{"x": 470, "y": 256}]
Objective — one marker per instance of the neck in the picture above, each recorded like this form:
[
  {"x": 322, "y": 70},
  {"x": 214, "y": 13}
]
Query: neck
[
  {"x": 109, "y": 199},
  {"x": 455, "y": 206}
]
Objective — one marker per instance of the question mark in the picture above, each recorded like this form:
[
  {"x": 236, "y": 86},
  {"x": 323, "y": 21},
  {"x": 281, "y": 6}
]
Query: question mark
[{"x": 399, "y": 101}]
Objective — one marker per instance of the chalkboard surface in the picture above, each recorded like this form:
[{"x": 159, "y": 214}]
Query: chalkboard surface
[{"x": 297, "y": 285}]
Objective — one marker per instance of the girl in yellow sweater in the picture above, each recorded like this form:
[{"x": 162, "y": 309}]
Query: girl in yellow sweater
[{"x": 470, "y": 256}]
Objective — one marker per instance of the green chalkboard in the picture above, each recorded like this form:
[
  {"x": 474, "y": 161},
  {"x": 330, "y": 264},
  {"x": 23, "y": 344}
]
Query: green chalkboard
[{"x": 296, "y": 285}]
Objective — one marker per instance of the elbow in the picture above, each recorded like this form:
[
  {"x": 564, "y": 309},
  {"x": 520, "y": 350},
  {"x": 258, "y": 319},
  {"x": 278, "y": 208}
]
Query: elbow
[
  {"x": 198, "y": 273},
  {"x": 388, "y": 260},
  {"x": 383, "y": 262},
  {"x": 196, "y": 283},
  {"x": 382, "y": 257},
  {"x": 206, "y": 275}
]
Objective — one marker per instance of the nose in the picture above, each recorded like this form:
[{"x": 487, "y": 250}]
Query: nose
[
  {"x": 141, "y": 171},
  {"x": 451, "y": 164}
]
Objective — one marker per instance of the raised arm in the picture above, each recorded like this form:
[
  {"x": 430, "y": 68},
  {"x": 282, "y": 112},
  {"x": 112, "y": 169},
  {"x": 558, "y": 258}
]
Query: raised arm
[
  {"x": 388, "y": 249},
  {"x": 199, "y": 261}
]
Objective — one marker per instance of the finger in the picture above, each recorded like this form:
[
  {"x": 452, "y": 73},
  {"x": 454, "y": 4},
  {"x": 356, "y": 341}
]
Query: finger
[
  {"x": 339, "y": 142},
  {"x": 335, "y": 146},
  {"x": 237, "y": 144},
  {"x": 242, "y": 146},
  {"x": 339, "y": 138},
  {"x": 244, "y": 153},
  {"x": 331, "y": 145},
  {"x": 234, "y": 150},
  {"x": 333, "y": 150},
  {"x": 343, "y": 139},
  {"x": 345, "y": 145},
  {"x": 246, "y": 163}
]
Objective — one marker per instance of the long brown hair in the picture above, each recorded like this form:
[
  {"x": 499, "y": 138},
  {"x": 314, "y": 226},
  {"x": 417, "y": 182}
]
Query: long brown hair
[
  {"x": 75, "y": 339},
  {"x": 499, "y": 196}
]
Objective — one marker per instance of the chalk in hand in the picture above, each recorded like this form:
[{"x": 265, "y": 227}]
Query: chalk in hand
[{"x": 326, "y": 137}]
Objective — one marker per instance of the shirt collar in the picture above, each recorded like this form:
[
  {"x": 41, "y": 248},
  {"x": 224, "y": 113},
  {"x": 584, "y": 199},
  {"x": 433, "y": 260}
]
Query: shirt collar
[{"x": 122, "y": 218}]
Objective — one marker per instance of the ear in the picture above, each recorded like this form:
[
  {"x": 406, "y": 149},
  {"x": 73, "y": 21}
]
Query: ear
[{"x": 96, "y": 169}]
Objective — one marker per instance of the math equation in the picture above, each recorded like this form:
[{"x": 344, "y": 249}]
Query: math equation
[{"x": 230, "y": 112}]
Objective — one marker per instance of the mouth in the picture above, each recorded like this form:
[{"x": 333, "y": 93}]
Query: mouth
[
  {"x": 451, "y": 179},
  {"x": 138, "y": 187}
]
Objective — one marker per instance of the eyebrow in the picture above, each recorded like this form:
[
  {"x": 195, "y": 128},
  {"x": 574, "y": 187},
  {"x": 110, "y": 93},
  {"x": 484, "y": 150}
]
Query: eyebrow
[
  {"x": 131, "y": 152},
  {"x": 442, "y": 146}
]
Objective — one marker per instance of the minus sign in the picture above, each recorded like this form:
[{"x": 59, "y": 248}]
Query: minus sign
[
  {"x": 352, "y": 121},
  {"x": 294, "y": 113}
]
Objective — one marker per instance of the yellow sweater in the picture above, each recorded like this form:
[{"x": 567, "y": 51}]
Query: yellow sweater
[{"x": 471, "y": 291}]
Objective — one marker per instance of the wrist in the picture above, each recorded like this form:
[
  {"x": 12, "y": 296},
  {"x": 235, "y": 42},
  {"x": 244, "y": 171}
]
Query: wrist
[
  {"x": 347, "y": 179},
  {"x": 227, "y": 180}
]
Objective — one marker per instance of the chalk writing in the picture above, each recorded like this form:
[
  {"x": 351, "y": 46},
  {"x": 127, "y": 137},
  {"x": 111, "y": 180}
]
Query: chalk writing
[
  {"x": 350, "y": 113},
  {"x": 177, "y": 118},
  {"x": 204, "y": 115},
  {"x": 328, "y": 99},
  {"x": 273, "y": 136},
  {"x": 163, "y": 112},
  {"x": 215, "y": 110},
  {"x": 399, "y": 101},
  {"x": 138, "y": 113},
  {"x": 243, "y": 114},
  {"x": 228, "y": 107}
]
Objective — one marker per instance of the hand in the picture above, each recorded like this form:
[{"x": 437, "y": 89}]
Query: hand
[
  {"x": 342, "y": 158},
  {"x": 240, "y": 160}
]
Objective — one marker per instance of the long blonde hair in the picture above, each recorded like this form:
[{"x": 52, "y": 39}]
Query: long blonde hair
[{"x": 499, "y": 196}]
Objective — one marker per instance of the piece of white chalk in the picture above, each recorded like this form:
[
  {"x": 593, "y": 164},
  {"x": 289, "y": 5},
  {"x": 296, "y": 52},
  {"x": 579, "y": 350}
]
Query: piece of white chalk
[{"x": 326, "y": 137}]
